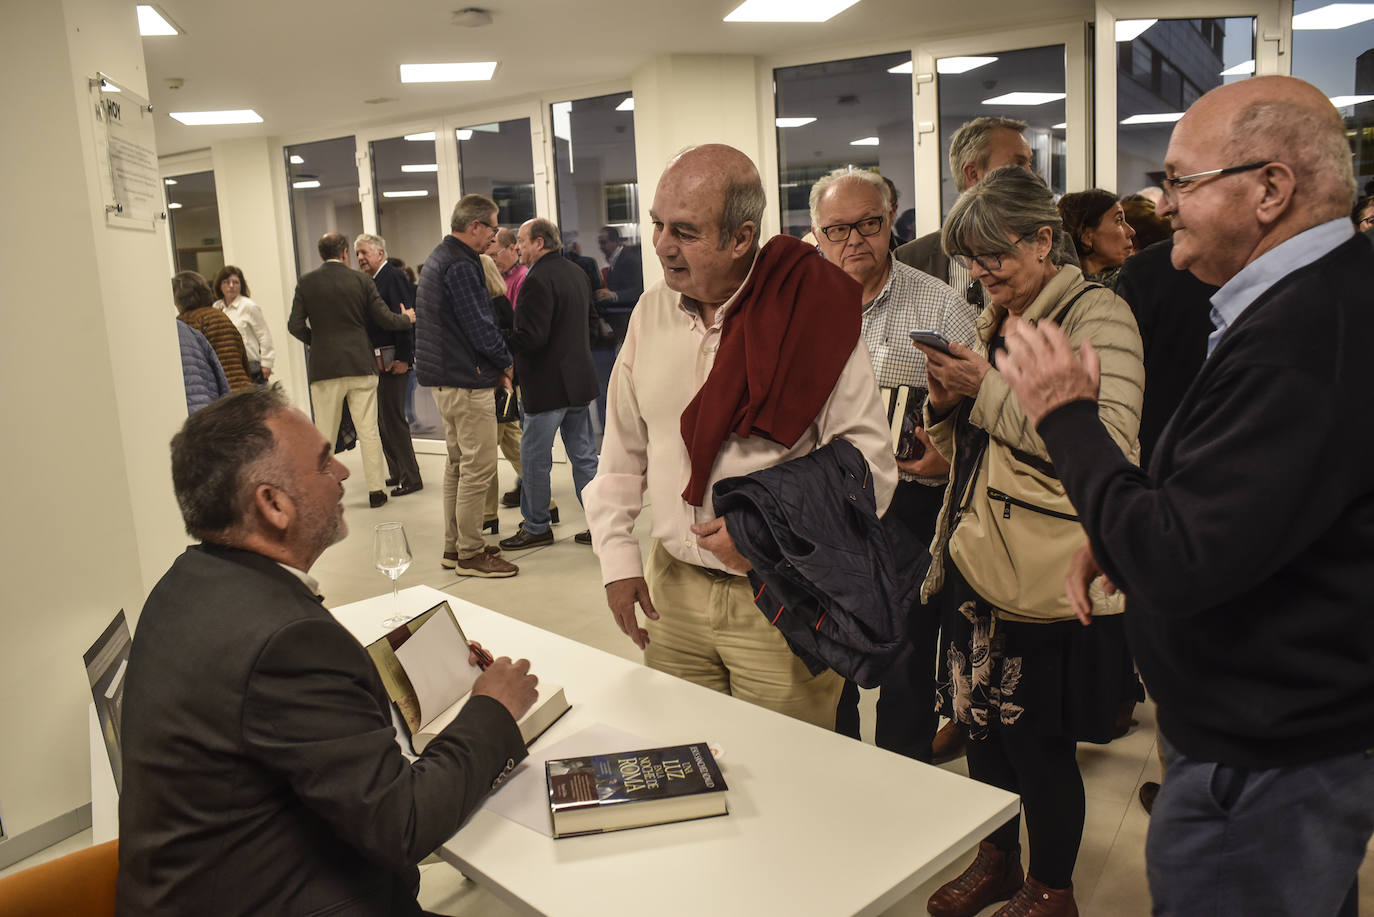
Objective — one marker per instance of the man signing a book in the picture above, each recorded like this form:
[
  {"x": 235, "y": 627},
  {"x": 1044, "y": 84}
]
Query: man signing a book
[{"x": 261, "y": 769}]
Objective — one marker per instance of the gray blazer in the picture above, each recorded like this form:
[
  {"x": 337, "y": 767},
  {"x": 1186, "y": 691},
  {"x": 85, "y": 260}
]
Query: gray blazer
[
  {"x": 261, "y": 770},
  {"x": 330, "y": 312},
  {"x": 925, "y": 254}
]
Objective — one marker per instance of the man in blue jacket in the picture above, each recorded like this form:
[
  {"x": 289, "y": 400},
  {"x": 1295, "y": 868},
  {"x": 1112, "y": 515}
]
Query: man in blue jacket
[
  {"x": 460, "y": 354},
  {"x": 1246, "y": 549}
]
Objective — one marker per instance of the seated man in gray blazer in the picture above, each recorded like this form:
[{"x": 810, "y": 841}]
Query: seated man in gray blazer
[{"x": 261, "y": 769}]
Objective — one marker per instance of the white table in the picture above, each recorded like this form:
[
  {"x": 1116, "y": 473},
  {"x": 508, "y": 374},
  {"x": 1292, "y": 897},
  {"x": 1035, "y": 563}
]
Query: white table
[{"x": 819, "y": 824}]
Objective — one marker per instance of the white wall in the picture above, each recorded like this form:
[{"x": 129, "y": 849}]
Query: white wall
[{"x": 92, "y": 393}]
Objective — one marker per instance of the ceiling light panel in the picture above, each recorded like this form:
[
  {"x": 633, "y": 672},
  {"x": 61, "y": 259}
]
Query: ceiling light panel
[
  {"x": 902, "y": 69},
  {"x": 1348, "y": 101},
  {"x": 304, "y": 185},
  {"x": 152, "y": 21},
  {"x": 864, "y": 141},
  {"x": 297, "y": 160},
  {"x": 788, "y": 10},
  {"x": 952, "y": 65},
  {"x": 232, "y": 116},
  {"x": 418, "y": 193},
  {"x": 793, "y": 122},
  {"x": 1162, "y": 117},
  {"x": 627, "y": 104},
  {"x": 1334, "y": 16},
  {"x": 1025, "y": 98},
  {"x": 448, "y": 73},
  {"x": 421, "y": 137},
  {"x": 1131, "y": 29},
  {"x": 421, "y": 167},
  {"x": 1244, "y": 69}
]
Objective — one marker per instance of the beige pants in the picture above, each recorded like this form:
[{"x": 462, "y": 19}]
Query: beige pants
[
  {"x": 508, "y": 439},
  {"x": 470, "y": 434},
  {"x": 711, "y": 633},
  {"x": 328, "y": 396}
]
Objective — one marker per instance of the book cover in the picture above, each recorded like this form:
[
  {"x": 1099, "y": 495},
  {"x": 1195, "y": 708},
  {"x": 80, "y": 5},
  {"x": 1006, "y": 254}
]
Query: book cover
[
  {"x": 905, "y": 404},
  {"x": 424, "y": 667},
  {"x": 106, "y": 662},
  {"x": 634, "y": 789}
]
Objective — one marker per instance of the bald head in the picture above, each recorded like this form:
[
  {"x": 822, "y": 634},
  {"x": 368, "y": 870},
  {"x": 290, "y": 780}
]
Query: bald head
[
  {"x": 725, "y": 177},
  {"x": 1288, "y": 120}
]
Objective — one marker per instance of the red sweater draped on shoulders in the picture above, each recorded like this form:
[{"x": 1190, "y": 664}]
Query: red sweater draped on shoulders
[{"x": 783, "y": 345}]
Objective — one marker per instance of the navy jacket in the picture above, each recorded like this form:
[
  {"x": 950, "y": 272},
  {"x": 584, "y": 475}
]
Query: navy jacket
[
  {"x": 837, "y": 581},
  {"x": 396, "y": 291},
  {"x": 457, "y": 344},
  {"x": 200, "y": 370}
]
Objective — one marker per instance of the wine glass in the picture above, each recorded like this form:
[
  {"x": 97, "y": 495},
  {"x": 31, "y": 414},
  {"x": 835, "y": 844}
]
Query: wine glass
[{"x": 391, "y": 553}]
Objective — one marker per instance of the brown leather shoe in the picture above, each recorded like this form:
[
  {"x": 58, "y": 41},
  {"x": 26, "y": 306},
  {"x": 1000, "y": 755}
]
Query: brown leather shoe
[
  {"x": 994, "y": 875},
  {"x": 1036, "y": 900},
  {"x": 488, "y": 565},
  {"x": 949, "y": 742}
]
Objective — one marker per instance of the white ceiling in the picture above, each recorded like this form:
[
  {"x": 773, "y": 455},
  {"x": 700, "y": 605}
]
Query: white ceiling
[{"x": 310, "y": 66}]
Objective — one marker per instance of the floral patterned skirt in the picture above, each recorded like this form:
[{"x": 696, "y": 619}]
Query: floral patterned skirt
[{"x": 1058, "y": 679}]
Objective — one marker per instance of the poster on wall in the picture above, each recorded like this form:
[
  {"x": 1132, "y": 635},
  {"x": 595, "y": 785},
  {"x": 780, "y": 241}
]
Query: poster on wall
[{"x": 126, "y": 156}]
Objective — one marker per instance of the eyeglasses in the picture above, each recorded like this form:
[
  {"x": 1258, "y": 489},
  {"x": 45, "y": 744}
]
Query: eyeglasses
[
  {"x": 1173, "y": 187},
  {"x": 840, "y": 232},
  {"x": 1367, "y": 222},
  {"x": 989, "y": 262}
]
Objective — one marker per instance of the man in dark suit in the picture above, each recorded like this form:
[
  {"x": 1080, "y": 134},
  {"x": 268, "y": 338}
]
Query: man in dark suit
[
  {"x": 330, "y": 313},
  {"x": 394, "y": 377},
  {"x": 553, "y": 361},
  {"x": 624, "y": 280},
  {"x": 261, "y": 769}
]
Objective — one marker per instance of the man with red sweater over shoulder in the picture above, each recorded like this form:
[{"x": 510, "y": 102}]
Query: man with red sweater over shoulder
[{"x": 739, "y": 359}]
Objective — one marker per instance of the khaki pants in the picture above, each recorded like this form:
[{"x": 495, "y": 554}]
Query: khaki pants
[
  {"x": 328, "y": 396},
  {"x": 711, "y": 633},
  {"x": 470, "y": 434}
]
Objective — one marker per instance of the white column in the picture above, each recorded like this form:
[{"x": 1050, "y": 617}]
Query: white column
[{"x": 92, "y": 392}]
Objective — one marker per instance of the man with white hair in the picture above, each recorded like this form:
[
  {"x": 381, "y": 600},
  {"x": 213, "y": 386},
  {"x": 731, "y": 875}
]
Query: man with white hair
[
  {"x": 851, "y": 217},
  {"x": 1246, "y": 548}
]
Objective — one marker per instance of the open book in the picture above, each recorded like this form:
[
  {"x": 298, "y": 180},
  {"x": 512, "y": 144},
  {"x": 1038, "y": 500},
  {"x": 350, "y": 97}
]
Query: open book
[{"x": 424, "y": 666}]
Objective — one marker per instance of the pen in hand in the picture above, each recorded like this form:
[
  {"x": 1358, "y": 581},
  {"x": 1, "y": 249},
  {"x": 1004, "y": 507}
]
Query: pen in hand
[{"x": 484, "y": 658}]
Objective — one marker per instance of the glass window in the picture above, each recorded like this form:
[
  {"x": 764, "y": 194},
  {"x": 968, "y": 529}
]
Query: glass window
[
  {"x": 1335, "y": 56},
  {"x": 193, "y": 214},
  {"x": 1027, "y": 85},
  {"x": 496, "y": 160},
  {"x": 1160, "y": 72},
  {"x": 842, "y": 113},
  {"x": 324, "y": 195},
  {"x": 405, "y": 193}
]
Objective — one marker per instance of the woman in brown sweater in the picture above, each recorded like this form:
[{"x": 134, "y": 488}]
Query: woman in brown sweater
[{"x": 195, "y": 307}]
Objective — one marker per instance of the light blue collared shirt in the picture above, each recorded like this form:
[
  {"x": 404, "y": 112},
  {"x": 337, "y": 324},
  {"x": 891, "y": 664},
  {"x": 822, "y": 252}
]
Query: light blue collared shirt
[{"x": 1241, "y": 291}]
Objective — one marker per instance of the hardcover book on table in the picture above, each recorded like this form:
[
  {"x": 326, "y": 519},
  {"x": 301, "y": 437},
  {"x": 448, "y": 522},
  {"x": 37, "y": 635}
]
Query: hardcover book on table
[
  {"x": 634, "y": 789},
  {"x": 424, "y": 667}
]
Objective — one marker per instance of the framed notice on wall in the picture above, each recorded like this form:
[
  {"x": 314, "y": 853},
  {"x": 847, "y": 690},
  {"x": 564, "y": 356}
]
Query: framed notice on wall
[{"x": 125, "y": 156}]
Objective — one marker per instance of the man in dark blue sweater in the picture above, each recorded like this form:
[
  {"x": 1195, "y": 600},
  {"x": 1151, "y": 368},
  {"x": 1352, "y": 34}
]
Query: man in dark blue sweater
[{"x": 1246, "y": 550}]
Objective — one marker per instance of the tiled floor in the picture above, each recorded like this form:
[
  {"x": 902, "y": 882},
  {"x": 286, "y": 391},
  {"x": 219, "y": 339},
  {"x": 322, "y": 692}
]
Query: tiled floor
[{"x": 559, "y": 588}]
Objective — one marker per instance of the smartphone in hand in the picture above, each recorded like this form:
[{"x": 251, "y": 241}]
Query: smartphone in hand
[{"x": 932, "y": 339}]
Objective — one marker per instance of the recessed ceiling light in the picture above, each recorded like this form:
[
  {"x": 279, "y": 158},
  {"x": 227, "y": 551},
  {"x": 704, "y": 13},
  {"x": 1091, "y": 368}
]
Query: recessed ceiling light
[
  {"x": 793, "y": 122},
  {"x": 1334, "y": 16},
  {"x": 169, "y": 181},
  {"x": 1025, "y": 98},
  {"x": 1162, "y": 117},
  {"x": 1244, "y": 69},
  {"x": 447, "y": 73},
  {"x": 423, "y": 135},
  {"x": 420, "y": 193},
  {"x": 234, "y": 116},
  {"x": 152, "y": 21},
  {"x": 464, "y": 133},
  {"x": 302, "y": 185},
  {"x": 173, "y": 206},
  {"x": 902, "y": 68},
  {"x": 1131, "y": 29},
  {"x": 627, "y": 104},
  {"x": 421, "y": 167},
  {"x": 788, "y": 10},
  {"x": 864, "y": 141},
  {"x": 1061, "y": 126},
  {"x": 491, "y": 127},
  {"x": 960, "y": 64},
  {"x": 1348, "y": 101},
  {"x": 297, "y": 160}
]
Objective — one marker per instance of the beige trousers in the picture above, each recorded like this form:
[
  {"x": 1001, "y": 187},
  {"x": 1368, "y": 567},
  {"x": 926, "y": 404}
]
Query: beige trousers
[
  {"x": 328, "y": 396},
  {"x": 711, "y": 633},
  {"x": 470, "y": 434}
]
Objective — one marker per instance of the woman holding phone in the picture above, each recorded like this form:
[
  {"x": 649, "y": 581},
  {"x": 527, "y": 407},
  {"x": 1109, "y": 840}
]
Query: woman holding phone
[{"x": 1017, "y": 669}]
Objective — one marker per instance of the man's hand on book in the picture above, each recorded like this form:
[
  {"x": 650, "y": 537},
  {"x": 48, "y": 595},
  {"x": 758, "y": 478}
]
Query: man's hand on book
[
  {"x": 931, "y": 464},
  {"x": 621, "y": 596},
  {"x": 510, "y": 683}
]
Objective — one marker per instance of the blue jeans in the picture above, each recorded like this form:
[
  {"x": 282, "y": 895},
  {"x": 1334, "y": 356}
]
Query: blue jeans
[
  {"x": 536, "y": 459},
  {"x": 1229, "y": 840}
]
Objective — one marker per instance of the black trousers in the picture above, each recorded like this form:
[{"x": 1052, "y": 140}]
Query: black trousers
[
  {"x": 906, "y": 717},
  {"x": 394, "y": 430}
]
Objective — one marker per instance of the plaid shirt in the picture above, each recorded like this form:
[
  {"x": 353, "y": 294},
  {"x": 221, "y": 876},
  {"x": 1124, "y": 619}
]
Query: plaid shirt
[{"x": 912, "y": 300}]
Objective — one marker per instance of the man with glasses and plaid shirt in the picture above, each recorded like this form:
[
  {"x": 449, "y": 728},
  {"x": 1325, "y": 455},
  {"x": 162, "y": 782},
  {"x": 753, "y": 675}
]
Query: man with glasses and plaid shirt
[
  {"x": 461, "y": 355},
  {"x": 851, "y": 217}
]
